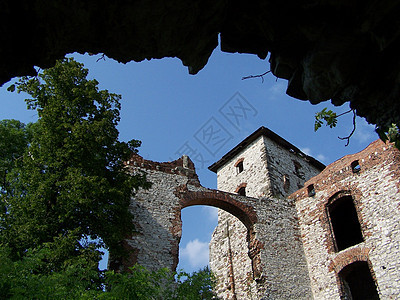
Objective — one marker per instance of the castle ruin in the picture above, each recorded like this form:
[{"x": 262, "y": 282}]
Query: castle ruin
[{"x": 288, "y": 228}]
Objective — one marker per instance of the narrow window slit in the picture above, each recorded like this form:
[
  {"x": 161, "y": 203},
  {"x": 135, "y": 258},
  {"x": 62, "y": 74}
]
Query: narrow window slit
[
  {"x": 242, "y": 191},
  {"x": 239, "y": 167},
  {"x": 311, "y": 190}
]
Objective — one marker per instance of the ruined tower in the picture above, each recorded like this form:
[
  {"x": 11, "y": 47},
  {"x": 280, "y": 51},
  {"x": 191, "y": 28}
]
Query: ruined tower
[{"x": 267, "y": 167}]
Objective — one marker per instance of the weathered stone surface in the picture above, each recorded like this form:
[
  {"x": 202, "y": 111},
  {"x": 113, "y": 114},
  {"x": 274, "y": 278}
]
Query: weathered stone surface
[
  {"x": 375, "y": 189},
  {"x": 276, "y": 245},
  {"x": 343, "y": 50},
  {"x": 270, "y": 167},
  {"x": 271, "y": 171},
  {"x": 269, "y": 242}
]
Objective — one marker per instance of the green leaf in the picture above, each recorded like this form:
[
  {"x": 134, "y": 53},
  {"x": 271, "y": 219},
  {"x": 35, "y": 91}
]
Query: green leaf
[
  {"x": 328, "y": 116},
  {"x": 11, "y": 88}
]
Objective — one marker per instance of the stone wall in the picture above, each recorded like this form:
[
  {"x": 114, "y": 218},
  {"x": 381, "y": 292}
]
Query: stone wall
[
  {"x": 156, "y": 211},
  {"x": 288, "y": 169},
  {"x": 229, "y": 259},
  {"x": 234, "y": 271},
  {"x": 276, "y": 268},
  {"x": 376, "y": 196},
  {"x": 279, "y": 269},
  {"x": 255, "y": 171},
  {"x": 275, "y": 247},
  {"x": 270, "y": 172}
]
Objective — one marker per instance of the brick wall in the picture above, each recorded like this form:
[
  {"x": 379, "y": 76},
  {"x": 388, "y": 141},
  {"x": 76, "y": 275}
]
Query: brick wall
[{"x": 375, "y": 192}]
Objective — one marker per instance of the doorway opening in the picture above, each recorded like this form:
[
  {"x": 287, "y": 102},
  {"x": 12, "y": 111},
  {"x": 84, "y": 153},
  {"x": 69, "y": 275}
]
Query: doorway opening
[
  {"x": 357, "y": 282},
  {"x": 346, "y": 229}
]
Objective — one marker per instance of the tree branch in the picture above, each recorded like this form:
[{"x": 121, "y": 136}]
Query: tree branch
[
  {"x": 354, "y": 127},
  {"x": 346, "y": 112},
  {"x": 102, "y": 57},
  {"x": 256, "y": 76}
]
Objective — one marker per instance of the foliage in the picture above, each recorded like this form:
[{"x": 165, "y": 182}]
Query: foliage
[
  {"x": 391, "y": 134},
  {"x": 64, "y": 192},
  {"x": 26, "y": 278},
  {"x": 198, "y": 285},
  {"x": 388, "y": 133},
  {"x": 140, "y": 283},
  {"x": 328, "y": 116},
  {"x": 69, "y": 182},
  {"x": 14, "y": 140},
  {"x": 79, "y": 279}
]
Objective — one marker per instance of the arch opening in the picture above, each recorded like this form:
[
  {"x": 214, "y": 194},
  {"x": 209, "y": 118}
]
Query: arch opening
[
  {"x": 240, "y": 217},
  {"x": 235, "y": 208},
  {"x": 198, "y": 224},
  {"x": 357, "y": 282}
]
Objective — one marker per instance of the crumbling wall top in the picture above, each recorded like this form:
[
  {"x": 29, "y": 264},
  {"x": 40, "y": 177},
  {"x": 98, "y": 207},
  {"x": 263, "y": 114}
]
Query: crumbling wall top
[{"x": 182, "y": 166}]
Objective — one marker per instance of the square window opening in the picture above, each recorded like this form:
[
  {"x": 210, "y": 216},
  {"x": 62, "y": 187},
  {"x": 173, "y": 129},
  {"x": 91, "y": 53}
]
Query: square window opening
[{"x": 355, "y": 166}]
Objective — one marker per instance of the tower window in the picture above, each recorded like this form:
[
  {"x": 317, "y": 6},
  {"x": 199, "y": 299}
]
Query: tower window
[
  {"x": 239, "y": 167},
  {"x": 242, "y": 191},
  {"x": 346, "y": 228}
]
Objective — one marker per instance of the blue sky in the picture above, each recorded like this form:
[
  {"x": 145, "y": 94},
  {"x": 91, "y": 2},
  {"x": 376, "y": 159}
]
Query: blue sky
[{"x": 167, "y": 109}]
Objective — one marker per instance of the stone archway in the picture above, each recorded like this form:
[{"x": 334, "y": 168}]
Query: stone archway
[
  {"x": 239, "y": 206},
  {"x": 229, "y": 202},
  {"x": 273, "y": 240},
  {"x": 157, "y": 213}
]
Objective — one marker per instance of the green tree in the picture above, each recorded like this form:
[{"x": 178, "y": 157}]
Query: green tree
[
  {"x": 23, "y": 280},
  {"x": 64, "y": 192},
  {"x": 198, "y": 285},
  {"x": 14, "y": 140},
  {"x": 71, "y": 183},
  {"x": 162, "y": 284}
]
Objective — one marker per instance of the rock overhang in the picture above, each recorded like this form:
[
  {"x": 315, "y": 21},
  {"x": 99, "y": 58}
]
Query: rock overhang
[{"x": 345, "y": 51}]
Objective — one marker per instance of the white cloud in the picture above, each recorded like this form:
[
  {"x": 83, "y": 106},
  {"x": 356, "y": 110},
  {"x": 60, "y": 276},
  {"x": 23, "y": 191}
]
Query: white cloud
[
  {"x": 278, "y": 89},
  {"x": 196, "y": 253},
  {"x": 364, "y": 131},
  {"x": 320, "y": 157},
  {"x": 306, "y": 151},
  {"x": 212, "y": 213}
]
